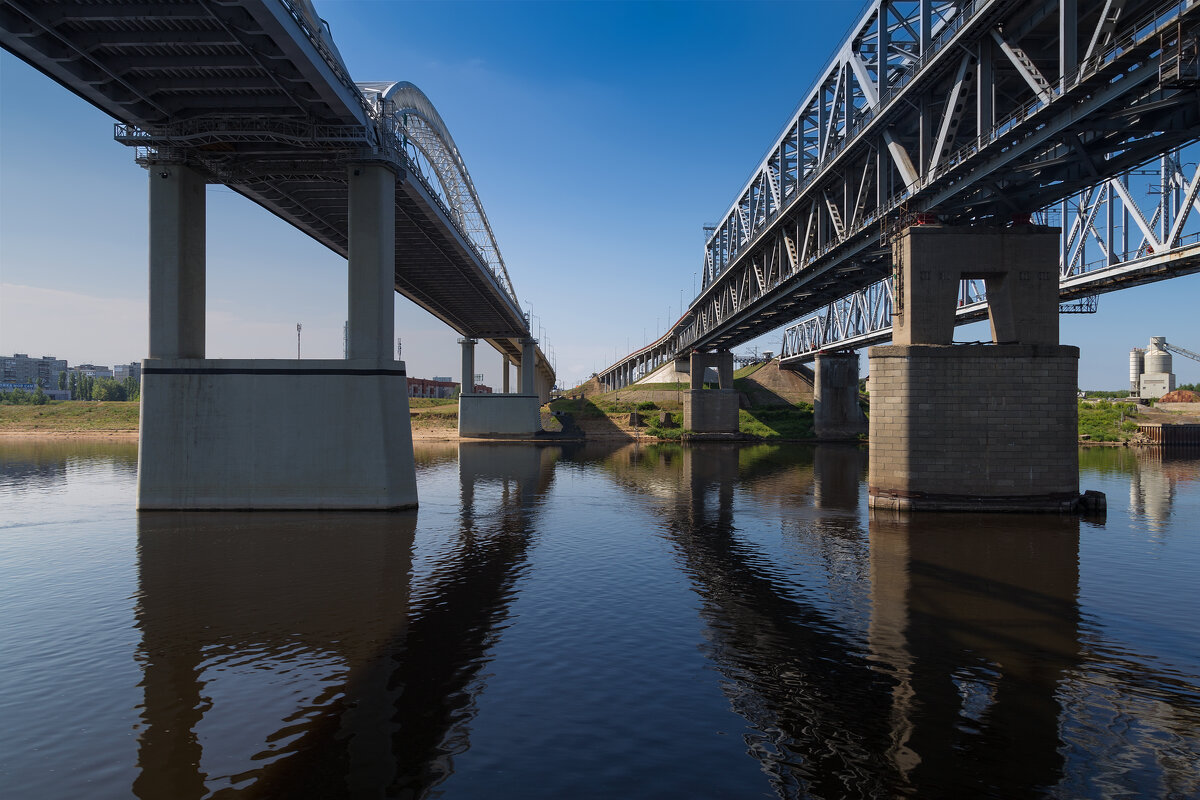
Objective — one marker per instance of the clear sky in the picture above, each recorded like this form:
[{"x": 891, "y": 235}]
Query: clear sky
[{"x": 601, "y": 137}]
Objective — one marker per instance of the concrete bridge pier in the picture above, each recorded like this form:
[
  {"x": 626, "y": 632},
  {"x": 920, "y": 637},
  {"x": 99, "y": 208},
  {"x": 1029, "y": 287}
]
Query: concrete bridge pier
[
  {"x": 836, "y": 412},
  {"x": 988, "y": 427},
  {"x": 271, "y": 434},
  {"x": 501, "y": 415},
  {"x": 711, "y": 410}
]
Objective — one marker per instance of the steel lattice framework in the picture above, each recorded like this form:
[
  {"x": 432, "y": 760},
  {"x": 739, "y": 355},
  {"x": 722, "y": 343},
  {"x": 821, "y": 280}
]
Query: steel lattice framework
[
  {"x": 976, "y": 111},
  {"x": 1134, "y": 245}
]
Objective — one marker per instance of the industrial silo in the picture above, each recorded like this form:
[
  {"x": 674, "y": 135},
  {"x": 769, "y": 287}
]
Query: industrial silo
[
  {"x": 1157, "y": 378},
  {"x": 1135, "y": 371}
]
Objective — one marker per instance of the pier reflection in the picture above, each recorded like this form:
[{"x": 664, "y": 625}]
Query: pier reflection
[
  {"x": 950, "y": 691},
  {"x": 359, "y": 677},
  {"x": 976, "y": 618}
]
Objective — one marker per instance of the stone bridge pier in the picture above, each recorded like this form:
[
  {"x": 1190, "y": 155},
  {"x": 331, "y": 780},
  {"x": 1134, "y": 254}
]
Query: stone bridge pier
[
  {"x": 978, "y": 426},
  {"x": 279, "y": 433}
]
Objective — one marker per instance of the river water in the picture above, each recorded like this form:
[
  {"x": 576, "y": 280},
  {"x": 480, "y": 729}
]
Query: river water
[{"x": 598, "y": 622}]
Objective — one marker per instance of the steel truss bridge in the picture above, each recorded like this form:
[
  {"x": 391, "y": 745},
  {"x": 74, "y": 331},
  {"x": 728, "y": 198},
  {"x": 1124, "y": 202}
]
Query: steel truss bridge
[
  {"x": 967, "y": 112},
  {"x": 254, "y": 95}
]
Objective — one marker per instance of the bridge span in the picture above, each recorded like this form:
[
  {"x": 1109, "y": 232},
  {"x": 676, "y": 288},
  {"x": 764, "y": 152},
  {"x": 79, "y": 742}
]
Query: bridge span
[
  {"x": 253, "y": 94},
  {"x": 964, "y": 112},
  {"x": 914, "y": 188}
]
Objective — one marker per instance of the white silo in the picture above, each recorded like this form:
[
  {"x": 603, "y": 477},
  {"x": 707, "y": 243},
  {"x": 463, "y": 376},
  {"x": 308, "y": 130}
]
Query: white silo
[
  {"x": 1135, "y": 370},
  {"x": 1157, "y": 378}
]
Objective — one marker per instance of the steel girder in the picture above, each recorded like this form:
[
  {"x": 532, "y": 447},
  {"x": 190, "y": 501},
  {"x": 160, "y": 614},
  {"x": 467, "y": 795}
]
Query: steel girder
[
  {"x": 1109, "y": 241},
  {"x": 976, "y": 111}
]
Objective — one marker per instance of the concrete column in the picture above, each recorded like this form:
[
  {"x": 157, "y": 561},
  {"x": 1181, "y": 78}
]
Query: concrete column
[
  {"x": 837, "y": 414},
  {"x": 177, "y": 227},
  {"x": 528, "y": 367},
  {"x": 725, "y": 369},
  {"x": 372, "y": 270},
  {"x": 504, "y": 377},
  {"x": 468, "y": 365}
]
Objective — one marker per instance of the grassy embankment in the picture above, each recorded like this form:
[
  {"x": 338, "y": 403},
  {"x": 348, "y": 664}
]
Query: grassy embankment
[
  {"x": 769, "y": 423},
  {"x": 69, "y": 416},
  {"x": 1101, "y": 421}
]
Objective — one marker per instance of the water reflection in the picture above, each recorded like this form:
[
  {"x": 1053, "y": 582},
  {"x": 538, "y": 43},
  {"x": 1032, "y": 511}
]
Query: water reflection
[
  {"x": 290, "y": 655},
  {"x": 972, "y": 624},
  {"x": 41, "y": 464},
  {"x": 977, "y": 619}
]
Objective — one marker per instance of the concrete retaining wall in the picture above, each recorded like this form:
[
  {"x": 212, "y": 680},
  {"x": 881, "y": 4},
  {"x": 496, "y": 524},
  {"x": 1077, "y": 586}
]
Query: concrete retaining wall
[
  {"x": 959, "y": 423},
  {"x": 274, "y": 434}
]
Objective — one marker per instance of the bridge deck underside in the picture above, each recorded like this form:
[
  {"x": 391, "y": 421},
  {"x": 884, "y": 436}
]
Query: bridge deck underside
[{"x": 253, "y": 95}]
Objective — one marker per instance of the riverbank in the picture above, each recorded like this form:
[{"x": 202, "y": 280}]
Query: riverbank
[{"x": 632, "y": 414}]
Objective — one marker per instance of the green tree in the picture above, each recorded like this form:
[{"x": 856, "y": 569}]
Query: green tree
[
  {"x": 133, "y": 390},
  {"x": 39, "y": 397},
  {"x": 62, "y": 380},
  {"x": 73, "y": 385},
  {"x": 108, "y": 389}
]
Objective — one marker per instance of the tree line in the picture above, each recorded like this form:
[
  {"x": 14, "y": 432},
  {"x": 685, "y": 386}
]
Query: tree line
[{"x": 83, "y": 387}]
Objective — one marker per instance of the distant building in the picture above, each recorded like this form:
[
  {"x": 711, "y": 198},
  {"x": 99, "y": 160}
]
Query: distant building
[
  {"x": 20, "y": 368},
  {"x": 481, "y": 389},
  {"x": 436, "y": 387},
  {"x": 92, "y": 371},
  {"x": 131, "y": 370}
]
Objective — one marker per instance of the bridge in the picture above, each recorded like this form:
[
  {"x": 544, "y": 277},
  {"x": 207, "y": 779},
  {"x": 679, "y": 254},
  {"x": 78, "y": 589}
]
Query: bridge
[
  {"x": 962, "y": 116},
  {"x": 254, "y": 95}
]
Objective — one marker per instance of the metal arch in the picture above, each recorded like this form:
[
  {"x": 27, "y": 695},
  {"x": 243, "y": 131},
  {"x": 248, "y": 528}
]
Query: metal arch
[{"x": 409, "y": 115}]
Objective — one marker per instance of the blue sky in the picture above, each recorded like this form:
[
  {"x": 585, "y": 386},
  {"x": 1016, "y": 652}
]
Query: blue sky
[{"x": 600, "y": 136}]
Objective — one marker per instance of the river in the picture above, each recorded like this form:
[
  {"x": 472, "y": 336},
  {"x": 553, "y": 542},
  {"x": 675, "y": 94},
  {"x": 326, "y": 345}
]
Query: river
[{"x": 717, "y": 621}]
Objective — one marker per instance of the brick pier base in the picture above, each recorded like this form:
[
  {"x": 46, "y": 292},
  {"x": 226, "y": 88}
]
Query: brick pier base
[{"x": 974, "y": 427}]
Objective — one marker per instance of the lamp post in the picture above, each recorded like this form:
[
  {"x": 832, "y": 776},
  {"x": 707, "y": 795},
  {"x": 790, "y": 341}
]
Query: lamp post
[{"x": 298, "y": 326}]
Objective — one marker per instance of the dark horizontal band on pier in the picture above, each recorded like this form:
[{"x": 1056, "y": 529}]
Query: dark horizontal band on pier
[{"x": 268, "y": 371}]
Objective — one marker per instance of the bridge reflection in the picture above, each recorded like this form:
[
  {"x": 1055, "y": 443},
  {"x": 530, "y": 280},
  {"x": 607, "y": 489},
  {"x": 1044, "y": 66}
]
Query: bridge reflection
[
  {"x": 951, "y": 689},
  {"x": 363, "y": 676}
]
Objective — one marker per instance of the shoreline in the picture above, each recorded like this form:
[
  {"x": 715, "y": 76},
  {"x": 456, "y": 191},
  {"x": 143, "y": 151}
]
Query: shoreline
[{"x": 443, "y": 436}]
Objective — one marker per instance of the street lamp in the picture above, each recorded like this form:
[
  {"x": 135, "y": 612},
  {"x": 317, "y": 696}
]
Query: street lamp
[{"x": 298, "y": 326}]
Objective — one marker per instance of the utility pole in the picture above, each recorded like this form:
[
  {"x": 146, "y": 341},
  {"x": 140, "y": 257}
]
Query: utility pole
[{"x": 298, "y": 326}]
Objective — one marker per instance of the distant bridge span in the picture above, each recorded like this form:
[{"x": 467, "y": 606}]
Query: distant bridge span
[
  {"x": 970, "y": 112},
  {"x": 254, "y": 95}
]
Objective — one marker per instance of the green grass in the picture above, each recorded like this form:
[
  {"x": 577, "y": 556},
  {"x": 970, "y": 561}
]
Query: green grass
[
  {"x": 748, "y": 370},
  {"x": 777, "y": 422},
  {"x": 1107, "y": 422},
  {"x": 430, "y": 402},
  {"x": 71, "y": 415}
]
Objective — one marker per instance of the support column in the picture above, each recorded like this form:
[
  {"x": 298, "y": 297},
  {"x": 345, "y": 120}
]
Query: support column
[
  {"x": 468, "y": 365},
  {"x": 975, "y": 427},
  {"x": 504, "y": 377},
  {"x": 711, "y": 411},
  {"x": 528, "y": 367},
  {"x": 177, "y": 262},
  {"x": 372, "y": 270},
  {"x": 837, "y": 414}
]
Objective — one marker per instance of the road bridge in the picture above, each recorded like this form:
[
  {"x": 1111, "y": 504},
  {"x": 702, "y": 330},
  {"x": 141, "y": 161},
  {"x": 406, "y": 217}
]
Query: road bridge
[
  {"x": 254, "y": 95},
  {"x": 975, "y": 115}
]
